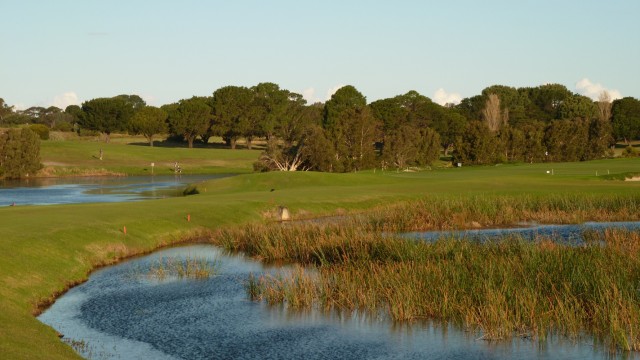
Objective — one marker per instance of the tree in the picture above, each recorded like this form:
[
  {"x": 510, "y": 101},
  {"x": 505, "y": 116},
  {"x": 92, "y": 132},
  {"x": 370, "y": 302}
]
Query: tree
[
  {"x": 75, "y": 114},
  {"x": 513, "y": 103},
  {"x": 351, "y": 128},
  {"x": 401, "y": 146},
  {"x": 450, "y": 126},
  {"x": 317, "y": 152},
  {"x": 134, "y": 101},
  {"x": 428, "y": 147},
  {"x": 297, "y": 118},
  {"x": 478, "y": 145},
  {"x": 5, "y": 110},
  {"x": 545, "y": 100},
  {"x": 149, "y": 121},
  {"x": 604, "y": 106},
  {"x": 358, "y": 141},
  {"x": 566, "y": 140},
  {"x": 190, "y": 118},
  {"x": 492, "y": 113},
  {"x": 231, "y": 106},
  {"x": 106, "y": 115},
  {"x": 390, "y": 113},
  {"x": 268, "y": 108},
  {"x": 625, "y": 118},
  {"x": 19, "y": 153},
  {"x": 347, "y": 98},
  {"x": 600, "y": 138},
  {"x": 578, "y": 107}
]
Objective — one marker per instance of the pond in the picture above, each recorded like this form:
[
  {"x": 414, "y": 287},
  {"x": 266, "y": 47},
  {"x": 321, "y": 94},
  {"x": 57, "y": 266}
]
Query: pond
[
  {"x": 73, "y": 190},
  {"x": 567, "y": 234},
  {"x": 127, "y": 312}
]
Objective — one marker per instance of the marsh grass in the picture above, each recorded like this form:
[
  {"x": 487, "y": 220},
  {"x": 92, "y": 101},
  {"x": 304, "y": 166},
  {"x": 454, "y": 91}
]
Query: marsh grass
[
  {"x": 189, "y": 268},
  {"x": 505, "y": 288}
]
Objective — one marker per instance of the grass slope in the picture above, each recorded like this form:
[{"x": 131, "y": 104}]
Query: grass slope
[{"x": 134, "y": 157}]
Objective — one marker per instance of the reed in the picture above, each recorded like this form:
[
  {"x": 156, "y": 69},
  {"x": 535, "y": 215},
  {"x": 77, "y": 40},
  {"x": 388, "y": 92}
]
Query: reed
[
  {"x": 502, "y": 289},
  {"x": 190, "y": 268}
]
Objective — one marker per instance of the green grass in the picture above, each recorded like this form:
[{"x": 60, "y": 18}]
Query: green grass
[
  {"x": 46, "y": 249},
  {"x": 132, "y": 156}
]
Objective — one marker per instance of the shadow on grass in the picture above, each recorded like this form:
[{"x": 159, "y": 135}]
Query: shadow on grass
[{"x": 196, "y": 145}]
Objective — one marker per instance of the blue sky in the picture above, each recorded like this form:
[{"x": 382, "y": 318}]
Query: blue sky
[{"x": 68, "y": 51}]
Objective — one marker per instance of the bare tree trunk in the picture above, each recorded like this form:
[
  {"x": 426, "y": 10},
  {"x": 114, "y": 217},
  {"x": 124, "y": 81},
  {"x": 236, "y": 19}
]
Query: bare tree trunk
[
  {"x": 604, "y": 106},
  {"x": 491, "y": 113},
  {"x": 249, "y": 142}
]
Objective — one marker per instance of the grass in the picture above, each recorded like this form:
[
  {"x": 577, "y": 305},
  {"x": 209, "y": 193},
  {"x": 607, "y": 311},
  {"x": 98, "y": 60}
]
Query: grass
[
  {"x": 189, "y": 268},
  {"x": 132, "y": 156},
  {"x": 46, "y": 249},
  {"x": 501, "y": 289}
]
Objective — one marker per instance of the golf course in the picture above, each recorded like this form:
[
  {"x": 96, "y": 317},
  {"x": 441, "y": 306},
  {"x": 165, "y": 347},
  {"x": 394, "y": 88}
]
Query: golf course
[{"x": 45, "y": 250}]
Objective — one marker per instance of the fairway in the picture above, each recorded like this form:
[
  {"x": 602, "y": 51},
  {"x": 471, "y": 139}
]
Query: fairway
[
  {"x": 45, "y": 249},
  {"x": 133, "y": 156}
]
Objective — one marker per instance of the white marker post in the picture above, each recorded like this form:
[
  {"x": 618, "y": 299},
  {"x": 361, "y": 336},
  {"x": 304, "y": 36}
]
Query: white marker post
[{"x": 152, "y": 165}]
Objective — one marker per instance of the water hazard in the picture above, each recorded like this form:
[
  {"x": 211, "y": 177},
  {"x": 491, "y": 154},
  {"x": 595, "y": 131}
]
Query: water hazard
[
  {"x": 75, "y": 190},
  {"x": 572, "y": 234},
  {"x": 123, "y": 312}
]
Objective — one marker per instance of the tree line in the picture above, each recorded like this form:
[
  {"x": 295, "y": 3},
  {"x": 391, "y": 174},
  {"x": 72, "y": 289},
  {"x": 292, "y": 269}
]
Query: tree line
[{"x": 502, "y": 124}]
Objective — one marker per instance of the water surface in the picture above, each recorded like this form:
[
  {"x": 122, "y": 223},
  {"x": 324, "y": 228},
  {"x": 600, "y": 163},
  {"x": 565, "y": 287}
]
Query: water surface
[
  {"x": 123, "y": 313},
  {"x": 572, "y": 234},
  {"x": 73, "y": 190}
]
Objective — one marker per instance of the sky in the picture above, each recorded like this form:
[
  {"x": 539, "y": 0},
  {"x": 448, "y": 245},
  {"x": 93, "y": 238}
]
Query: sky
[{"x": 65, "y": 52}]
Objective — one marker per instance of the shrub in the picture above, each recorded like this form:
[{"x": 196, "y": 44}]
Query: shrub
[
  {"x": 629, "y": 151},
  {"x": 41, "y": 130},
  {"x": 19, "y": 153}
]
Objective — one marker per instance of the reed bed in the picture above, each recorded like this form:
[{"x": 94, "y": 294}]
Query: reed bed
[
  {"x": 450, "y": 212},
  {"x": 511, "y": 287},
  {"x": 190, "y": 268}
]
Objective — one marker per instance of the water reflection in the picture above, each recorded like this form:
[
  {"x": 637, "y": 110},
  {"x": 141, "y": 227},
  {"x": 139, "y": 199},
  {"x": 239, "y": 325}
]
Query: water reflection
[
  {"x": 120, "y": 313},
  {"x": 48, "y": 191}
]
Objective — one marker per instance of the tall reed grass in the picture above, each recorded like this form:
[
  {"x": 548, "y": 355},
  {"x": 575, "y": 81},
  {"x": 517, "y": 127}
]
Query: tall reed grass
[
  {"x": 502, "y": 289},
  {"x": 191, "y": 268}
]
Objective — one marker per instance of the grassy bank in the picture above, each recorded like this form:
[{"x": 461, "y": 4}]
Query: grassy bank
[
  {"x": 132, "y": 156},
  {"x": 502, "y": 289},
  {"x": 45, "y": 249}
]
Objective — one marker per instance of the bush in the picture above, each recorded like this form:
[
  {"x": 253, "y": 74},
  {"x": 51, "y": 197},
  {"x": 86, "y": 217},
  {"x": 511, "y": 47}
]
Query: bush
[
  {"x": 63, "y": 126},
  {"x": 629, "y": 151},
  {"x": 41, "y": 130},
  {"x": 191, "y": 190},
  {"x": 19, "y": 153}
]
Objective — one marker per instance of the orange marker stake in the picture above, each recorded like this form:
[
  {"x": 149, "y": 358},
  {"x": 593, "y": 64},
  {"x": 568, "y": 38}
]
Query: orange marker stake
[
  {"x": 124, "y": 230},
  {"x": 188, "y": 217}
]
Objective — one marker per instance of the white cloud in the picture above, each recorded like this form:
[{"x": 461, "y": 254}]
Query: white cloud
[
  {"x": 309, "y": 94},
  {"x": 66, "y": 99},
  {"x": 587, "y": 88},
  {"x": 442, "y": 97},
  {"x": 149, "y": 99},
  {"x": 19, "y": 106},
  {"x": 332, "y": 91}
]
